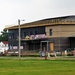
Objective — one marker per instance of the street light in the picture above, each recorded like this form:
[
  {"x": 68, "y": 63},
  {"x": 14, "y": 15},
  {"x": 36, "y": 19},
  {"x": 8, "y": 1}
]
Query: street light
[{"x": 19, "y": 37}]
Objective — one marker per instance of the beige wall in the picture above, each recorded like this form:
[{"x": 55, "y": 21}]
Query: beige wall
[{"x": 61, "y": 31}]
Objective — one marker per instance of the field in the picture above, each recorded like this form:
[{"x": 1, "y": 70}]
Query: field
[{"x": 36, "y": 67}]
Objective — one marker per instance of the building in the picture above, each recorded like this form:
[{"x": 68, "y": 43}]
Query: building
[{"x": 52, "y": 34}]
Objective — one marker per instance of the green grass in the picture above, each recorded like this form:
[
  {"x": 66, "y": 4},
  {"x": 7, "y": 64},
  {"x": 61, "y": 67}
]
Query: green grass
[{"x": 36, "y": 67}]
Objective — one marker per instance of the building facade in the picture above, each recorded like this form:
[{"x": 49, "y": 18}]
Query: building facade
[{"x": 53, "y": 34}]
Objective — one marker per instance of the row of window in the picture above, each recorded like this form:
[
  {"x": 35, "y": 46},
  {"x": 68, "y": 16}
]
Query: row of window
[
  {"x": 35, "y": 33},
  {"x": 30, "y": 33},
  {"x": 13, "y": 35}
]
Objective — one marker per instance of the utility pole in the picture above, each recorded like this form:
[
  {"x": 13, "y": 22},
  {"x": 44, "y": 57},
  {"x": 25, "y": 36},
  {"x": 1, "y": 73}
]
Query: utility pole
[{"x": 19, "y": 38}]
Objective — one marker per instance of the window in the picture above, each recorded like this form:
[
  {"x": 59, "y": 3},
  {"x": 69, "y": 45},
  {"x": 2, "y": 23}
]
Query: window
[
  {"x": 30, "y": 33},
  {"x": 10, "y": 37},
  {"x": 13, "y": 35},
  {"x": 24, "y": 35},
  {"x": 35, "y": 32},
  {"x": 50, "y": 32}
]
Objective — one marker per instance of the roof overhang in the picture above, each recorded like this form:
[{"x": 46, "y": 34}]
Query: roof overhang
[{"x": 66, "y": 20}]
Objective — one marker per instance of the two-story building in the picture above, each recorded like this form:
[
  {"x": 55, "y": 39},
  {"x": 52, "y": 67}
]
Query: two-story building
[{"x": 52, "y": 34}]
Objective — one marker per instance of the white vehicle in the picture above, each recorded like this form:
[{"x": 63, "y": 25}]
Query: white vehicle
[
  {"x": 2, "y": 50},
  {"x": 3, "y": 47}
]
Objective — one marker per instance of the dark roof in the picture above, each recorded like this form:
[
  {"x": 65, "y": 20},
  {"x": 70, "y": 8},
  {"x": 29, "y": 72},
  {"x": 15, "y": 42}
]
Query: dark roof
[
  {"x": 62, "y": 17},
  {"x": 5, "y": 42}
]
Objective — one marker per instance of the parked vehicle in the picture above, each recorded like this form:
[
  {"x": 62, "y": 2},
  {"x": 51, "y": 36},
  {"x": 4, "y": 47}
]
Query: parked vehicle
[
  {"x": 3, "y": 51},
  {"x": 70, "y": 51},
  {"x": 3, "y": 47}
]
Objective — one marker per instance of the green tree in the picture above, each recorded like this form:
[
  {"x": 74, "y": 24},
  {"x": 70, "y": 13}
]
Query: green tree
[{"x": 4, "y": 35}]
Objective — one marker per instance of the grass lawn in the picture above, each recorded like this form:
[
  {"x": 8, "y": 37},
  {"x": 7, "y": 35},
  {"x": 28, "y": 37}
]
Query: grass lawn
[{"x": 36, "y": 67}]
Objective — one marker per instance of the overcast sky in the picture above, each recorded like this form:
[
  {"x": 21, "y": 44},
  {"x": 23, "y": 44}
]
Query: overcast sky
[{"x": 33, "y": 10}]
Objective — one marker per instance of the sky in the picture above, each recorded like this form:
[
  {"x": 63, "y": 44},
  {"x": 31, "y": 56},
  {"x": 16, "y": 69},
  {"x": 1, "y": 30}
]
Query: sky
[{"x": 33, "y": 10}]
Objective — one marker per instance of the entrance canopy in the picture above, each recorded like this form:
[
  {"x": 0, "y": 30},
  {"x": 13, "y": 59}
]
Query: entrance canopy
[{"x": 46, "y": 45}]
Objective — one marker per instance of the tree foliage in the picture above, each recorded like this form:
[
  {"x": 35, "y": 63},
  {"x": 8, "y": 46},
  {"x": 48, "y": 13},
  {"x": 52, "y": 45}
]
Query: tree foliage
[{"x": 4, "y": 35}]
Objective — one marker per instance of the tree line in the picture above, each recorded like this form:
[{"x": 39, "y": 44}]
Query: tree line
[{"x": 4, "y": 35}]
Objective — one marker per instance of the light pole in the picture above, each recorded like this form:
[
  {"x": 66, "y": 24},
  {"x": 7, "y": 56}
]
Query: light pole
[{"x": 19, "y": 37}]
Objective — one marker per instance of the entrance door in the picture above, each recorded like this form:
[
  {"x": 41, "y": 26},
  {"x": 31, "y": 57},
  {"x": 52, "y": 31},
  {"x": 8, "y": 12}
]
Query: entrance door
[{"x": 51, "y": 46}]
